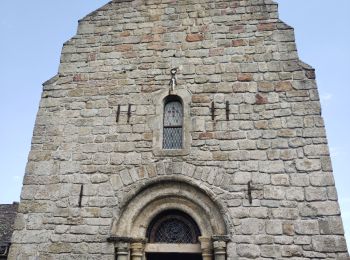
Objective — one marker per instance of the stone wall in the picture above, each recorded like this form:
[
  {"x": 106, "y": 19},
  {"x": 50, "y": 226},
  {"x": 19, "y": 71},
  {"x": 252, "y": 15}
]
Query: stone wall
[
  {"x": 225, "y": 51},
  {"x": 7, "y": 218}
]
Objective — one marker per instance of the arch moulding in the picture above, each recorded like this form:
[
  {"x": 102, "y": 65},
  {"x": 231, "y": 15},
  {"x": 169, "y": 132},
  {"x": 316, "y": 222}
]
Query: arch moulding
[{"x": 130, "y": 229}]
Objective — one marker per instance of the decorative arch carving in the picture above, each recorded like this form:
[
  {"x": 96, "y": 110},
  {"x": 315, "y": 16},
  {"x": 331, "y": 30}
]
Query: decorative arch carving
[
  {"x": 131, "y": 230},
  {"x": 161, "y": 195}
]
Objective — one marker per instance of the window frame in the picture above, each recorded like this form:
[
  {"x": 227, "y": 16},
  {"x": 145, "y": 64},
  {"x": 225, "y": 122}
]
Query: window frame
[
  {"x": 156, "y": 123},
  {"x": 160, "y": 221},
  {"x": 167, "y": 100}
]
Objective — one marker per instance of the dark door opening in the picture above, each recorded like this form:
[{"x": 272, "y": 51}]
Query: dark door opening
[{"x": 173, "y": 256}]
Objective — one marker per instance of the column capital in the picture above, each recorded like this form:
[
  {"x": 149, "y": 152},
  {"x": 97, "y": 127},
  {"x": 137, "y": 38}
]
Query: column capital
[
  {"x": 206, "y": 244},
  {"x": 219, "y": 245},
  {"x": 122, "y": 250},
  {"x": 207, "y": 247},
  {"x": 137, "y": 249},
  {"x": 122, "y": 247}
]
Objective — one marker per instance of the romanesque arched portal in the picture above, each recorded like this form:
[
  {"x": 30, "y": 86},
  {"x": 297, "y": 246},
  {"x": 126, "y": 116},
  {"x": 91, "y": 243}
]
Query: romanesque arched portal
[{"x": 194, "y": 222}]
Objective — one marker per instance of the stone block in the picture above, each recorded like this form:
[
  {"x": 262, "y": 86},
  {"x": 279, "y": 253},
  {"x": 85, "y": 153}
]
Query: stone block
[
  {"x": 84, "y": 229},
  {"x": 241, "y": 177},
  {"x": 247, "y": 145},
  {"x": 280, "y": 179},
  {"x": 251, "y": 226},
  {"x": 292, "y": 251},
  {"x": 295, "y": 193},
  {"x": 316, "y": 150},
  {"x": 329, "y": 244},
  {"x": 248, "y": 166},
  {"x": 259, "y": 212},
  {"x": 306, "y": 227},
  {"x": 315, "y": 193},
  {"x": 308, "y": 165},
  {"x": 285, "y": 213},
  {"x": 125, "y": 177},
  {"x": 299, "y": 180},
  {"x": 31, "y": 236},
  {"x": 194, "y": 37},
  {"x": 324, "y": 208},
  {"x": 100, "y": 158},
  {"x": 271, "y": 166},
  {"x": 274, "y": 227},
  {"x": 270, "y": 251},
  {"x": 274, "y": 192},
  {"x": 132, "y": 158},
  {"x": 331, "y": 225},
  {"x": 116, "y": 158},
  {"x": 248, "y": 251},
  {"x": 322, "y": 179},
  {"x": 288, "y": 228}
]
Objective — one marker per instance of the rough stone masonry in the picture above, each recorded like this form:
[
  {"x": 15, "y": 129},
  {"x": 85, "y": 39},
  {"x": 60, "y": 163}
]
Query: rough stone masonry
[{"x": 254, "y": 141}]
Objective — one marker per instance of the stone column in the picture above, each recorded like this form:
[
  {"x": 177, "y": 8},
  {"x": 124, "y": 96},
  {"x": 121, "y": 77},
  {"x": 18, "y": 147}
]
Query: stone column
[
  {"x": 137, "y": 250},
  {"x": 122, "y": 251},
  {"x": 220, "y": 250},
  {"x": 206, "y": 246}
]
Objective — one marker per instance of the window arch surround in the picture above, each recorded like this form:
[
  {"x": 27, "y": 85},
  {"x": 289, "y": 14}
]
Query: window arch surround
[
  {"x": 173, "y": 123},
  {"x": 156, "y": 123}
]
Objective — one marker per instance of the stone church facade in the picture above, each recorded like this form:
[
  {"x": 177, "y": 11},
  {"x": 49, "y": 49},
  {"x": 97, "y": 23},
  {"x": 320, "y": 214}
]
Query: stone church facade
[{"x": 180, "y": 130}]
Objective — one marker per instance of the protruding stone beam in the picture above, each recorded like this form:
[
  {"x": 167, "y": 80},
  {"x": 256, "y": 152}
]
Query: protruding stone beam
[
  {"x": 117, "y": 239},
  {"x": 206, "y": 247}
]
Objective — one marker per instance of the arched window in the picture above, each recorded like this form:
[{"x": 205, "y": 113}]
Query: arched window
[
  {"x": 172, "y": 123},
  {"x": 173, "y": 227}
]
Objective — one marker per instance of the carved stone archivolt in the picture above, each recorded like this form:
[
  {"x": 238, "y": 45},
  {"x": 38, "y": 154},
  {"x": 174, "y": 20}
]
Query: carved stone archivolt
[{"x": 193, "y": 218}]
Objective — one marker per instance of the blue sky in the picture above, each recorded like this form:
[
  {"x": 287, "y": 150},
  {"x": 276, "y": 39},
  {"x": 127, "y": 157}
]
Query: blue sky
[{"x": 32, "y": 34}]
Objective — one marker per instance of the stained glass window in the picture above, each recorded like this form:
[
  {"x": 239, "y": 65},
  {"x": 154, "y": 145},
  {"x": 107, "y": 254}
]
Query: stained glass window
[
  {"x": 172, "y": 125},
  {"x": 173, "y": 227}
]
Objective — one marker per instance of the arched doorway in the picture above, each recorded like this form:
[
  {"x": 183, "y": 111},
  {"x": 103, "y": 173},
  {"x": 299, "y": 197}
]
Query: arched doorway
[{"x": 145, "y": 227}]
